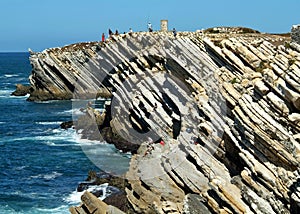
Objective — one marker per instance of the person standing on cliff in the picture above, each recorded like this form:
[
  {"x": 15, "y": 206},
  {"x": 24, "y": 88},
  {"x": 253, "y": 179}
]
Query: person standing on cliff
[
  {"x": 130, "y": 31},
  {"x": 103, "y": 37},
  {"x": 150, "y": 27},
  {"x": 110, "y": 33},
  {"x": 174, "y": 32}
]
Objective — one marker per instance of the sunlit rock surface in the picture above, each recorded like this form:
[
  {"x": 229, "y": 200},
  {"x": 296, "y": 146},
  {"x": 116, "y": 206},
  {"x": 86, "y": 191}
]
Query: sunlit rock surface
[{"x": 217, "y": 115}]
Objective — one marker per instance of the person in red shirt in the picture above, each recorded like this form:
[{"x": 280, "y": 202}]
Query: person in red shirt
[{"x": 103, "y": 37}]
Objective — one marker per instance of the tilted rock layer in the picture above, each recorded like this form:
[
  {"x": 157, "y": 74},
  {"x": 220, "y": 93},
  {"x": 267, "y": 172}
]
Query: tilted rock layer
[{"x": 225, "y": 109}]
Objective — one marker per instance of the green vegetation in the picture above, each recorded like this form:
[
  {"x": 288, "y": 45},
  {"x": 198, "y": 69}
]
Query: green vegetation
[
  {"x": 263, "y": 65},
  {"x": 287, "y": 45},
  {"x": 234, "y": 80},
  {"x": 291, "y": 61}
]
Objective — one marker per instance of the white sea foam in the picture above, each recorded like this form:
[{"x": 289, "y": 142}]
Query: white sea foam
[
  {"x": 18, "y": 97},
  {"x": 75, "y": 197},
  {"x": 49, "y": 143},
  {"x": 19, "y": 168},
  {"x": 49, "y": 176},
  {"x": 86, "y": 142},
  {"x": 59, "y": 134},
  {"x": 5, "y": 93},
  {"x": 7, "y": 209},
  {"x": 74, "y": 111},
  {"x": 49, "y": 123},
  {"x": 10, "y": 75},
  {"x": 52, "y": 175},
  {"x": 52, "y": 137},
  {"x": 58, "y": 210}
]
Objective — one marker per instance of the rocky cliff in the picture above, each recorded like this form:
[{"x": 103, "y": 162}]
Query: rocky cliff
[{"x": 216, "y": 115}]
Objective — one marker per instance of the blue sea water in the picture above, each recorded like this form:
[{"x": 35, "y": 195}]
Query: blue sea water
[{"x": 40, "y": 164}]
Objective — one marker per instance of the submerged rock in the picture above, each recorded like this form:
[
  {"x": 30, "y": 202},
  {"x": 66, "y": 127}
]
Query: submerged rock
[{"x": 67, "y": 124}]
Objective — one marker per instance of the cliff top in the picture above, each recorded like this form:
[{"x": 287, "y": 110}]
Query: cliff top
[{"x": 215, "y": 33}]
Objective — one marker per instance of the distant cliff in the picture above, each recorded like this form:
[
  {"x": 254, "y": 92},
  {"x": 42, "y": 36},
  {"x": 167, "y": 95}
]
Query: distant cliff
[{"x": 222, "y": 111}]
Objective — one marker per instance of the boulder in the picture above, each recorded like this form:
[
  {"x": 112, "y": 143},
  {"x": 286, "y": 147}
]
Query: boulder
[
  {"x": 92, "y": 205},
  {"x": 67, "y": 124},
  {"x": 22, "y": 90}
]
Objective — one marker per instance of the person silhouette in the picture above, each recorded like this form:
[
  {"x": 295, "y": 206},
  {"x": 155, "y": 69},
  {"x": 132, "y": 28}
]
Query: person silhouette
[
  {"x": 150, "y": 27},
  {"x": 174, "y": 32},
  {"x": 110, "y": 32}
]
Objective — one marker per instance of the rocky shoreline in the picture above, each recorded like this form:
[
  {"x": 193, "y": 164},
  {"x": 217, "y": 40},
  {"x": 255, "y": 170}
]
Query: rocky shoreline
[
  {"x": 222, "y": 112},
  {"x": 117, "y": 185}
]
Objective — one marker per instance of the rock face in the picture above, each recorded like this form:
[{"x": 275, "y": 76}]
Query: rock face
[
  {"x": 216, "y": 116},
  {"x": 95, "y": 126}
]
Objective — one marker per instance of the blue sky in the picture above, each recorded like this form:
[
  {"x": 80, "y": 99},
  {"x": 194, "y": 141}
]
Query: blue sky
[{"x": 39, "y": 24}]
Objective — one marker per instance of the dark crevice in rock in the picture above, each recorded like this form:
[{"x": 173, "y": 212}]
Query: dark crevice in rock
[
  {"x": 176, "y": 128},
  {"x": 191, "y": 159},
  {"x": 86, "y": 210},
  {"x": 220, "y": 62},
  {"x": 180, "y": 73},
  {"x": 203, "y": 114},
  {"x": 144, "y": 126},
  {"x": 273, "y": 158},
  {"x": 148, "y": 101},
  {"x": 69, "y": 85},
  {"x": 152, "y": 60},
  {"x": 166, "y": 108},
  {"x": 171, "y": 105},
  {"x": 143, "y": 108},
  {"x": 145, "y": 186},
  {"x": 139, "y": 65},
  {"x": 198, "y": 205},
  {"x": 232, "y": 160},
  {"x": 294, "y": 195},
  {"x": 185, "y": 188},
  {"x": 212, "y": 193},
  {"x": 136, "y": 195},
  {"x": 194, "y": 162}
]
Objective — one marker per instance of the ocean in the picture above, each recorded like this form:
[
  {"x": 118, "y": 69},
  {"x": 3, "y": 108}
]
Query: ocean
[{"x": 41, "y": 164}]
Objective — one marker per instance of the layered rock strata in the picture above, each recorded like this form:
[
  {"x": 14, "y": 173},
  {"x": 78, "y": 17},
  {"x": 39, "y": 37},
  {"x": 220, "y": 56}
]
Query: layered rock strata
[{"x": 217, "y": 116}]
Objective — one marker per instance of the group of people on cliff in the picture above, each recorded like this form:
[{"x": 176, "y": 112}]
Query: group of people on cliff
[{"x": 149, "y": 27}]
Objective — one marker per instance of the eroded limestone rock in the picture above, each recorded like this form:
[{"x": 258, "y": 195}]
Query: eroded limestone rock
[{"x": 221, "y": 111}]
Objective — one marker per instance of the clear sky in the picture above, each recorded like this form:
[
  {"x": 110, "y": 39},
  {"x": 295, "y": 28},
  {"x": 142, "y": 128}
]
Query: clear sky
[{"x": 39, "y": 24}]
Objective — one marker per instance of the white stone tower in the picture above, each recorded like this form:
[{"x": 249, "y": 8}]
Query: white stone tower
[{"x": 164, "y": 25}]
